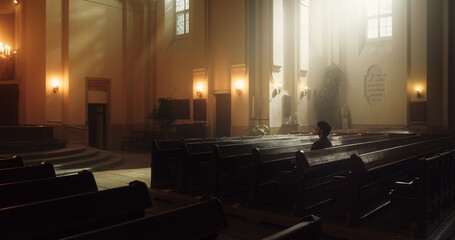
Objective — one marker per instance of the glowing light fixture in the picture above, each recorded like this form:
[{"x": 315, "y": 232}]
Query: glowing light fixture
[
  {"x": 276, "y": 90},
  {"x": 199, "y": 89},
  {"x": 239, "y": 85},
  {"x": 55, "y": 85},
  {"x": 304, "y": 92},
  {"x": 418, "y": 92},
  {"x": 5, "y": 50}
]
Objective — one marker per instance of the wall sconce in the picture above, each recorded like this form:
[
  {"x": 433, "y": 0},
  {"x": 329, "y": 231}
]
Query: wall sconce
[
  {"x": 239, "y": 87},
  {"x": 304, "y": 92},
  {"x": 55, "y": 85},
  {"x": 15, "y": 2},
  {"x": 418, "y": 93},
  {"x": 199, "y": 89},
  {"x": 276, "y": 90}
]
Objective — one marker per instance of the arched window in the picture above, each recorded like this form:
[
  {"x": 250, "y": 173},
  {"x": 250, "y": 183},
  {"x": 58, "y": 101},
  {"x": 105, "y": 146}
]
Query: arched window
[{"x": 182, "y": 17}]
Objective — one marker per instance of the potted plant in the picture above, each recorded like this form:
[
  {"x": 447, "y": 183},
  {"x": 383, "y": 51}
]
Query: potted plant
[{"x": 326, "y": 96}]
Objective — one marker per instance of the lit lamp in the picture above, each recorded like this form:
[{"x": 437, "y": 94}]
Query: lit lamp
[
  {"x": 304, "y": 92},
  {"x": 55, "y": 85},
  {"x": 239, "y": 87},
  {"x": 418, "y": 93},
  {"x": 199, "y": 88},
  {"x": 276, "y": 90}
]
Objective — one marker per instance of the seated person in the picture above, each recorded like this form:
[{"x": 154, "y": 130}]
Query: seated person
[{"x": 323, "y": 130}]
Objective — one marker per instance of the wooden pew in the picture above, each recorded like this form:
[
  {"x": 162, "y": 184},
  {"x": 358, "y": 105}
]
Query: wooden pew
[
  {"x": 19, "y": 193},
  {"x": 306, "y": 184},
  {"x": 426, "y": 202},
  {"x": 57, "y": 218},
  {"x": 202, "y": 220},
  {"x": 309, "y": 228},
  {"x": 228, "y": 158},
  {"x": 12, "y": 162},
  {"x": 265, "y": 168},
  {"x": 197, "y": 156},
  {"x": 164, "y": 155},
  {"x": 17, "y": 174},
  {"x": 364, "y": 190}
]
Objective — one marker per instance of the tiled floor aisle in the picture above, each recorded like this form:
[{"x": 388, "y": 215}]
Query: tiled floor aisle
[{"x": 135, "y": 166}]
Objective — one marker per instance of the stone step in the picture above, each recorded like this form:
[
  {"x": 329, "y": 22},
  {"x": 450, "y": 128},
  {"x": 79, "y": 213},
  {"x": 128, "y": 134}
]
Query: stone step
[
  {"x": 111, "y": 161},
  {"x": 88, "y": 152},
  {"x": 68, "y": 150}
]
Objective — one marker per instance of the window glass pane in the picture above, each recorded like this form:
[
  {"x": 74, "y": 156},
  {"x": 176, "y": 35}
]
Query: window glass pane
[
  {"x": 179, "y": 25},
  {"x": 187, "y": 22},
  {"x": 179, "y": 5},
  {"x": 187, "y": 4},
  {"x": 385, "y": 6},
  {"x": 386, "y": 26},
  {"x": 372, "y": 7},
  {"x": 372, "y": 29}
]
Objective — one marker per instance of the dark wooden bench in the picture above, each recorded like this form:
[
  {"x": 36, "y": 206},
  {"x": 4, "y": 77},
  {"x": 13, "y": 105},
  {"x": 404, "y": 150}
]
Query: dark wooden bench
[
  {"x": 228, "y": 158},
  {"x": 165, "y": 154},
  {"x": 309, "y": 229},
  {"x": 19, "y": 193},
  {"x": 202, "y": 220},
  {"x": 17, "y": 174},
  {"x": 61, "y": 217},
  {"x": 426, "y": 202},
  {"x": 364, "y": 190},
  {"x": 196, "y": 161},
  {"x": 12, "y": 162},
  {"x": 306, "y": 184},
  {"x": 265, "y": 169}
]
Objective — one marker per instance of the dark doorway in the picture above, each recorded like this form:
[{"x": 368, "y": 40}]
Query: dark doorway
[
  {"x": 223, "y": 115},
  {"x": 97, "y": 125},
  {"x": 9, "y": 104}
]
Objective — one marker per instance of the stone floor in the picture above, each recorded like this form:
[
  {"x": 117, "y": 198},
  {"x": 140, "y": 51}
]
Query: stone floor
[{"x": 135, "y": 166}]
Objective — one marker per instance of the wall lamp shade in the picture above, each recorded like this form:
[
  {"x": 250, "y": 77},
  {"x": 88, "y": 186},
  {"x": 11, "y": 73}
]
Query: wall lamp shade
[
  {"x": 239, "y": 87},
  {"x": 199, "y": 89},
  {"x": 304, "y": 92},
  {"x": 276, "y": 90},
  {"x": 418, "y": 92},
  {"x": 55, "y": 86}
]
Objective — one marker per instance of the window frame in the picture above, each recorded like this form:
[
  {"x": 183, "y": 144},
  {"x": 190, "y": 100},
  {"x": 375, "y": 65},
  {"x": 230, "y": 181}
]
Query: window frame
[
  {"x": 186, "y": 18},
  {"x": 378, "y": 17}
]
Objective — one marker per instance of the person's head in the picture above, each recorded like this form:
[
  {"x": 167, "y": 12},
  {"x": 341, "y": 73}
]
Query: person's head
[{"x": 323, "y": 129}]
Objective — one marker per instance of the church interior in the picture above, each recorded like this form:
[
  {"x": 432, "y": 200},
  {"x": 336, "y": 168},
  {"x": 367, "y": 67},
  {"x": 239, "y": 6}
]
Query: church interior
[{"x": 225, "y": 99}]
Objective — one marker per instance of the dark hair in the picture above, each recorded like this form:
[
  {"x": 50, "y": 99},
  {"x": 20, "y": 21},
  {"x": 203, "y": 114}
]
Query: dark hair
[{"x": 325, "y": 127}]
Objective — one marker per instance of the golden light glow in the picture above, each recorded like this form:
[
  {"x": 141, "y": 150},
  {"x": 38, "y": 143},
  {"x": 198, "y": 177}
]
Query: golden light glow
[
  {"x": 418, "y": 92},
  {"x": 199, "y": 89},
  {"x": 5, "y": 50},
  {"x": 55, "y": 85},
  {"x": 239, "y": 85}
]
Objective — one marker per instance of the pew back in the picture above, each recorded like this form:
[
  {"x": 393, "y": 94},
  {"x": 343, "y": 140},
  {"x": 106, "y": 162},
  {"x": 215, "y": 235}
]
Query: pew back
[
  {"x": 19, "y": 193},
  {"x": 202, "y": 220},
  {"x": 56, "y": 218}
]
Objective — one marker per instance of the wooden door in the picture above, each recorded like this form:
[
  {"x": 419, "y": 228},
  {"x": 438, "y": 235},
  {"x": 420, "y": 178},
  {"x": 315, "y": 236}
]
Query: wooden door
[
  {"x": 97, "y": 125},
  {"x": 223, "y": 115}
]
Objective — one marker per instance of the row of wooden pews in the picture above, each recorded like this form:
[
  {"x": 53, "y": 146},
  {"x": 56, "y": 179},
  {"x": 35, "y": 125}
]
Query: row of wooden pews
[
  {"x": 263, "y": 179},
  {"x": 35, "y": 204}
]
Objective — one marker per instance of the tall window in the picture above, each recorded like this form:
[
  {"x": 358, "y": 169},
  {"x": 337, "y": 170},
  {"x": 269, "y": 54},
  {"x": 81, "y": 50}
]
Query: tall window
[
  {"x": 304, "y": 34},
  {"x": 182, "y": 17},
  {"x": 379, "y": 19}
]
